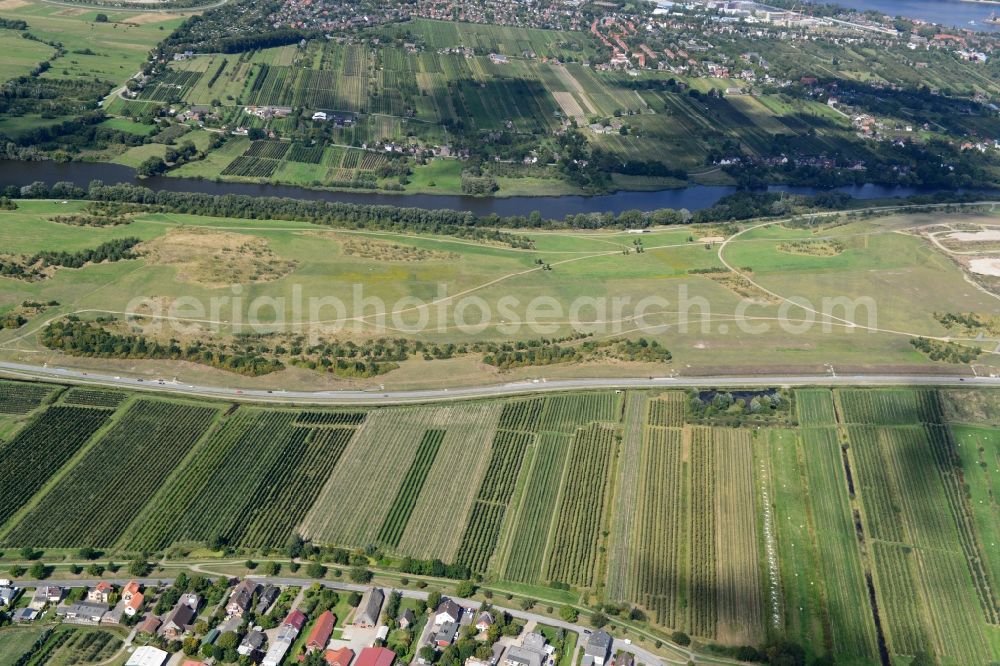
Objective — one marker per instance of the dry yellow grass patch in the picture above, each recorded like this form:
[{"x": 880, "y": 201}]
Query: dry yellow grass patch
[
  {"x": 741, "y": 286},
  {"x": 373, "y": 248},
  {"x": 216, "y": 258},
  {"x": 151, "y": 17},
  {"x": 12, "y": 4}
]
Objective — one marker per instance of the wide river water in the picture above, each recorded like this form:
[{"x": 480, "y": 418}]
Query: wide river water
[
  {"x": 945, "y": 12},
  {"x": 693, "y": 197}
]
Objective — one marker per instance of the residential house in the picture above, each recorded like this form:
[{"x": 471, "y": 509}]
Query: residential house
[
  {"x": 44, "y": 595},
  {"x": 7, "y": 595},
  {"x": 598, "y": 648},
  {"x": 83, "y": 612},
  {"x": 101, "y": 592},
  {"x": 134, "y": 604},
  {"x": 447, "y": 611},
  {"x": 239, "y": 601},
  {"x": 253, "y": 642},
  {"x": 446, "y": 634},
  {"x": 130, "y": 590},
  {"x": 407, "y": 619},
  {"x": 341, "y": 657},
  {"x": 178, "y": 621},
  {"x": 267, "y": 596},
  {"x": 321, "y": 632},
  {"x": 531, "y": 651},
  {"x": 372, "y": 656},
  {"x": 484, "y": 622},
  {"x": 369, "y": 608}
]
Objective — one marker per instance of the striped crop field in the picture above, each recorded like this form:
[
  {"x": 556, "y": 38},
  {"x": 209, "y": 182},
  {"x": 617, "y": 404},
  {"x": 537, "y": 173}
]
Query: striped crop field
[
  {"x": 815, "y": 407},
  {"x": 626, "y": 499},
  {"x": 573, "y": 554},
  {"x": 532, "y": 530},
  {"x": 864, "y": 520},
  {"x": 22, "y": 397},
  {"x": 93, "y": 502}
]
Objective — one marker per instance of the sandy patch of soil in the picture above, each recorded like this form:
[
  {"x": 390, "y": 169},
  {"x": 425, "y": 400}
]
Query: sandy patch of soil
[
  {"x": 975, "y": 236},
  {"x": 151, "y": 17},
  {"x": 985, "y": 266},
  {"x": 216, "y": 258}
]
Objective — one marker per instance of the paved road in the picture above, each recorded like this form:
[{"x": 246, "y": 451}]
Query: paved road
[
  {"x": 25, "y": 371},
  {"x": 683, "y": 656}
]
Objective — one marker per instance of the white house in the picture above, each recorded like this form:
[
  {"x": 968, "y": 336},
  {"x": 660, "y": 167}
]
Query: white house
[{"x": 447, "y": 611}]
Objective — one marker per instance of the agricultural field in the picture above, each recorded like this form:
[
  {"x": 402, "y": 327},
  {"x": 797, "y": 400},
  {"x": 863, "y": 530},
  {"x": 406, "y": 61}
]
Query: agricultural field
[
  {"x": 729, "y": 534},
  {"x": 449, "y": 84}
]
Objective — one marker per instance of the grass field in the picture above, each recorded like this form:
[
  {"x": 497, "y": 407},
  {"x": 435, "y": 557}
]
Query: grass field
[
  {"x": 894, "y": 284},
  {"x": 729, "y": 534}
]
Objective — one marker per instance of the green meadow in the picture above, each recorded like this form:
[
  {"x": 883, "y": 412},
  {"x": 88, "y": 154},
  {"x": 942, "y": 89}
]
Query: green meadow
[{"x": 676, "y": 291}]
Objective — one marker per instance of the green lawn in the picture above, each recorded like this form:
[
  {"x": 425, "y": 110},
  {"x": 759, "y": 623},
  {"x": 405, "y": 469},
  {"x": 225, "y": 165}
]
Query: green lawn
[
  {"x": 20, "y": 55},
  {"x": 14, "y": 642}
]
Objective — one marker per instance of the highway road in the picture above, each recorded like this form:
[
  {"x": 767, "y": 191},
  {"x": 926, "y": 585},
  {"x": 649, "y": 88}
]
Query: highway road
[
  {"x": 387, "y": 396},
  {"x": 643, "y": 656}
]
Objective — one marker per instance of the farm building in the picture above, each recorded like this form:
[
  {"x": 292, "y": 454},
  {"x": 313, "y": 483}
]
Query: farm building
[
  {"x": 321, "y": 632},
  {"x": 369, "y": 608},
  {"x": 148, "y": 626},
  {"x": 371, "y": 656},
  {"x": 83, "y": 612},
  {"x": 341, "y": 657},
  {"x": 25, "y": 615},
  {"x": 407, "y": 619},
  {"x": 147, "y": 656}
]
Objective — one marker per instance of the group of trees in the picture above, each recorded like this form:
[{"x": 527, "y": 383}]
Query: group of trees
[
  {"x": 33, "y": 267},
  {"x": 80, "y": 338}
]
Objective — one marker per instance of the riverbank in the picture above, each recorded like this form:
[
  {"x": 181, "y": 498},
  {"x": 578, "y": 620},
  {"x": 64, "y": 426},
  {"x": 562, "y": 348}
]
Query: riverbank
[{"x": 557, "y": 206}]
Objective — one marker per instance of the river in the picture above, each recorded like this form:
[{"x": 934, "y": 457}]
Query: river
[
  {"x": 693, "y": 197},
  {"x": 946, "y": 12}
]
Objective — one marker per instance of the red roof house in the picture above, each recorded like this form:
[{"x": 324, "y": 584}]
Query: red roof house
[
  {"x": 321, "y": 631},
  {"x": 296, "y": 619},
  {"x": 133, "y": 605},
  {"x": 371, "y": 656},
  {"x": 341, "y": 657},
  {"x": 130, "y": 590}
]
